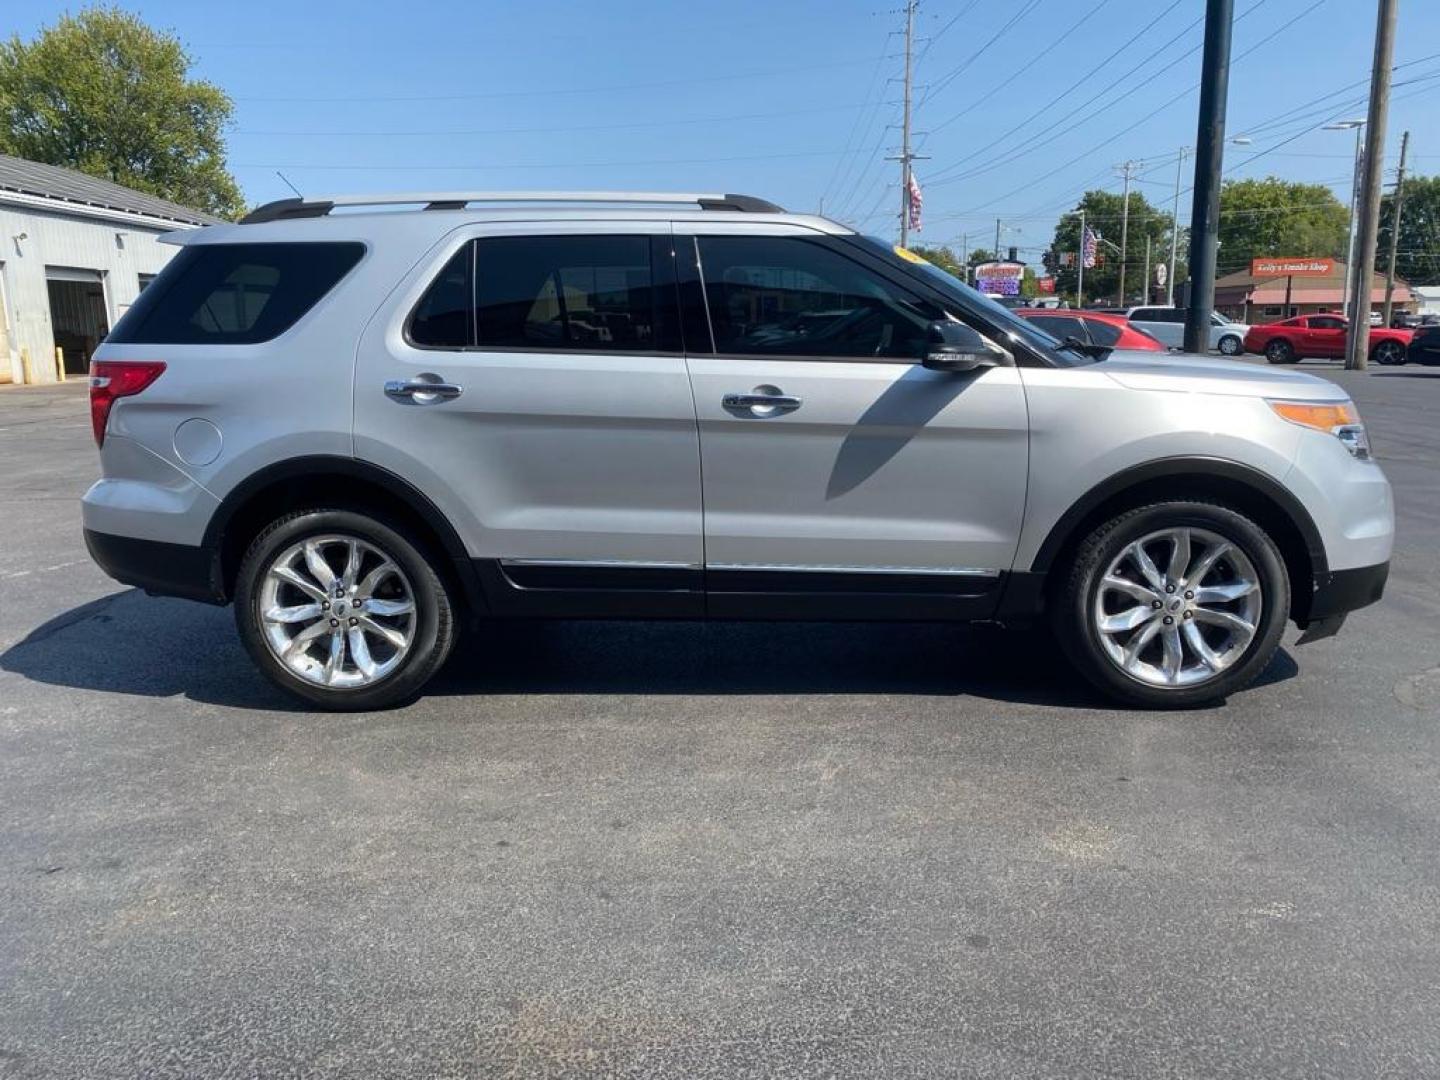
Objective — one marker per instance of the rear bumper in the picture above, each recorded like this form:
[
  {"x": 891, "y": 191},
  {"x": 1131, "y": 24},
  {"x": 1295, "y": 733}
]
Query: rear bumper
[{"x": 157, "y": 567}]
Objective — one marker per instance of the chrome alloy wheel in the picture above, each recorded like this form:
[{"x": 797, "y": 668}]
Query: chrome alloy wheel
[
  {"x": 337, "y": 611},
  {"x": 1389, "y": 352},
  {"x": 1177, "y": 607}
]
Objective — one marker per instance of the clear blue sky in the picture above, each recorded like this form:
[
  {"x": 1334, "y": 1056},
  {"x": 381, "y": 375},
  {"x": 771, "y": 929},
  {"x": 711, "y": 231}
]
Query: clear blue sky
[{"x": 789, "y": 99}]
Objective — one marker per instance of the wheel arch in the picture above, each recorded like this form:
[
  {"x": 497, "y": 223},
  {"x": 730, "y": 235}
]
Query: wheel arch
[
  {"x": 1252, "y": 492},
  {"x": 339, "y": 483}
]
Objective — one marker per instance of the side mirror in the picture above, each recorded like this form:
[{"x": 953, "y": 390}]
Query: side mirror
[{"x": 954, "y": 346}]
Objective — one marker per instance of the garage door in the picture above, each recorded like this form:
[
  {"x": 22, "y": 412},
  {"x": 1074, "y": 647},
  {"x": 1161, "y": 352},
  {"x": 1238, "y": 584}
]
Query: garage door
[{"x": 79, "y": 316}]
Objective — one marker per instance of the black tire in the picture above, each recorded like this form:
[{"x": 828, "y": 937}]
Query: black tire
[
  {"x": 434, "y": 621},
  {"x": 1079, "y": 638},
  {"x": 1280, "y": 351},
  {"x": 1230, "y": 345},
  {"x": 1389, "y": 353}
]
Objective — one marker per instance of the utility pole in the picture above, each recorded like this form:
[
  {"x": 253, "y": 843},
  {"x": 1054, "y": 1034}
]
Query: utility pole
[
  {"x": 965, "y": 257},
  {"x": 1175, "y": 229},
  {"x": 1357, "y": 352},
  {"x": 1128, "y": 167},
  {"x": 1080, "y": 264},
  {"x": 997, "y": 239},
  {"x": 1146, "y": 279},
  {"x": 905, "y": 156},
  {"x": 1209, "y": 160},
  {"x": 1395, "y": 228}
]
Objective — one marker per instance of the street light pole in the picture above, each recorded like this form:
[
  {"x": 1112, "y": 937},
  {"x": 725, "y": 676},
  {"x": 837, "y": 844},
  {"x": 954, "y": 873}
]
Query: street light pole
[
  {"x": 1128, "y": 168},
  {"x": 1357, "y": 352},
  {"x": 1397, "y": 208},
  {"x": 1358, "y": 126},
  {"x": 1175, "y": 229}
]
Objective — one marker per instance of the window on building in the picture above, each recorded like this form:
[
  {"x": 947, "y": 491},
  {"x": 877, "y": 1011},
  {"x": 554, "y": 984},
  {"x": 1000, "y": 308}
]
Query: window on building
[
  {"x": 783, "y": 296},
  {"x": 234, "y": 294},
  {"x": 144, "y": 280}
]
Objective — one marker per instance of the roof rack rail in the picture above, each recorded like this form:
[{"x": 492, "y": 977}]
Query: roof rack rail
[{"x": 284, "y": 209}]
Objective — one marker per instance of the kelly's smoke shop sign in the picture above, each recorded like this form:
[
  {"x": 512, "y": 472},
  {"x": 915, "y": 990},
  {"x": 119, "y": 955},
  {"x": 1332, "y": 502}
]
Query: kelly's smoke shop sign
[
  {"x": 999, "y": 278},
  {"x": 1292, "y": 267}
]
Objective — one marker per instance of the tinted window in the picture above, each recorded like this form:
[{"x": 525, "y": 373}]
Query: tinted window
[
  {"x": 1149, "y": 314},
  {"x": 234, "y": 294},
  {"x": 1059, "y": 327},
  {"x": 777, "y": 296},
  {"x": 443, "y": 317},
  {"x": 588, "y": 293},
  {"x": 1327, "y": 322},
  {"x": 1103, "y": 333}
]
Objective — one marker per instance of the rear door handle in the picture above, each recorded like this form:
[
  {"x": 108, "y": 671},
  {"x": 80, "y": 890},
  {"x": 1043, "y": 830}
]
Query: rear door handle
[
  {"x": 422, "y": 391},
  {"x": 762, "y": 404}
]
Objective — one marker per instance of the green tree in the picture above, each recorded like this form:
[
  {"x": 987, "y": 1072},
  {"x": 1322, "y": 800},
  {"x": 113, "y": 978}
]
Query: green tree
[
  {"x": 1103, "y": 213},
  {"x": 980, "y": 255},
  {"x": 1417, "y": 259},
  {"x": 943, "y": 257},
  {"x": 1277, "y": 217},
  {"x": 103, "y": 93}
]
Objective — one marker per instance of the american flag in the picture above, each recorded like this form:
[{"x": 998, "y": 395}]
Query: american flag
[
  {"x": 916, "y": 200},
  {"x": 1088, "y": 247}
]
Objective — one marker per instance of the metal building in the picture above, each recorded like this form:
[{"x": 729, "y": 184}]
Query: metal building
[{"x": 75, "y": 252}]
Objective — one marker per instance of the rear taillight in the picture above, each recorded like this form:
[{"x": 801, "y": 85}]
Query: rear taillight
[{"x": 110, "y": 380}]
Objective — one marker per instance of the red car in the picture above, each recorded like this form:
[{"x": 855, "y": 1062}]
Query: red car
[
  {"x": 1091, "y": 327},
  {"x": 1322, "y": 336}
]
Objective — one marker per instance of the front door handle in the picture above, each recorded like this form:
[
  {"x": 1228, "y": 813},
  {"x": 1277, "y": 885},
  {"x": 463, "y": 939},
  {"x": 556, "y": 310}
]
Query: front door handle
[
  {"x": 422, "y": 391},
  {"x": 762, "y": 401}
]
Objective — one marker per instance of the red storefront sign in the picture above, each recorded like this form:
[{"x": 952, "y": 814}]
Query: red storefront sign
[{"x": 1275, "y": 267}]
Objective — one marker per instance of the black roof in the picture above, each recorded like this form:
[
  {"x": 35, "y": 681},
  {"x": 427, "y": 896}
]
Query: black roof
[{"x": 67, "y": 185}]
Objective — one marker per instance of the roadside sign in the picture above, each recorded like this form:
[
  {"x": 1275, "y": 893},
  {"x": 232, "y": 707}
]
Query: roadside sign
[
  {"x": 999, "y": 278},
  {"x": 1160, "y": 274},
  {"x": 1302, "y": 267}
]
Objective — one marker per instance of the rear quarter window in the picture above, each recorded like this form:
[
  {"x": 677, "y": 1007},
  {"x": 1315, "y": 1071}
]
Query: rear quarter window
[{"x": 234, "y": 294}]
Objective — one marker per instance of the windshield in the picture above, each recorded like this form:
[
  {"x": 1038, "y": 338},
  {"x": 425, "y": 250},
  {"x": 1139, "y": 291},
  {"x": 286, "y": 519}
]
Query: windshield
[{"x": 968, "y": 301}]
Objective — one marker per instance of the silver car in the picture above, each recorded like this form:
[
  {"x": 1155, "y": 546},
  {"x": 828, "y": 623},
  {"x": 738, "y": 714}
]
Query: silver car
[{"x": 366, "y": 429}]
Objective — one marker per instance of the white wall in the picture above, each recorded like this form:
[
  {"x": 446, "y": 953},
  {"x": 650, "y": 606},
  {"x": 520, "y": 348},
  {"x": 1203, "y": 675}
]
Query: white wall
[{"x": 62, "y": 238}]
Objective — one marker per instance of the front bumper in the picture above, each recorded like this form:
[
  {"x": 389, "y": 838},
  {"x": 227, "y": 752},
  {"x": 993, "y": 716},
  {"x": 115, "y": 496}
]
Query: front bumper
[
  {"x": 159, "y": 568},
  {"x": 1336, "y": 594}
]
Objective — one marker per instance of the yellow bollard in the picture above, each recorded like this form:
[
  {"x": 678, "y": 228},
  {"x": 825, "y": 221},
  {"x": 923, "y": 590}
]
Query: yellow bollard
[
  {"x": 59, "y": 364},
  {"x": 26, "y": 372}
]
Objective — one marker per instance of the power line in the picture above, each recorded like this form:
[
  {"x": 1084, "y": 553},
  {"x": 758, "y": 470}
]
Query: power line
[
  {"x": 1064, "y": 93},
  {"x": 570, "y": 90},
  {"x": 955, "y": 73},
  {"x": 977, "y": 102},
  {"x": 676, "y": 122}
]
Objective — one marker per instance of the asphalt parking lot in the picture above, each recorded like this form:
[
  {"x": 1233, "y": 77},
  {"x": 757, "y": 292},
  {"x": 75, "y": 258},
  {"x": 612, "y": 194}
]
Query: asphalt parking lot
[{"x": 726, "y": 850}]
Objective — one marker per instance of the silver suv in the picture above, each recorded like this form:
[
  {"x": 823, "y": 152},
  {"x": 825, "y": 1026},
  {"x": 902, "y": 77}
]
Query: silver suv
[
  {"x": 365, "y": 426},
  {"x": 1168, "y": 324}
]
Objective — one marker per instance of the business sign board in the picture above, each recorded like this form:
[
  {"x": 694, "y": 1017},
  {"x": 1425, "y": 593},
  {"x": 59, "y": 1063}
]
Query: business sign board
[
  {"x": 999, "y": 278},
  {"x": 1045, "y": 285},
  {"x": 1274, "y": 267}
]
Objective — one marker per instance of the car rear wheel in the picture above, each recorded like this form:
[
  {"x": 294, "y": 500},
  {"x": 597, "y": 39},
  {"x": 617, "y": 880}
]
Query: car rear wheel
[
  {"x": 1173, "y": 604},
  {"x": 1230, "y": 345},
  {"x": 1389, "y": 353},
  {"x": 343, "y": 610},
  {"x": 1280, "y": 351}
]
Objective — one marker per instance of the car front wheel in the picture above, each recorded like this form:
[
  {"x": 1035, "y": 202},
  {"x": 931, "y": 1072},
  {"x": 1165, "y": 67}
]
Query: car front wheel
[
  {"x": 343, "y": 610},
  {"x": 1173, "y": 604}
]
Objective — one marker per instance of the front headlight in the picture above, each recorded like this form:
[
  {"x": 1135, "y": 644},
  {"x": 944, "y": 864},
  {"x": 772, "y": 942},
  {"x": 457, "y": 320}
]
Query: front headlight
[{"x": 1338, "y": 418}]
